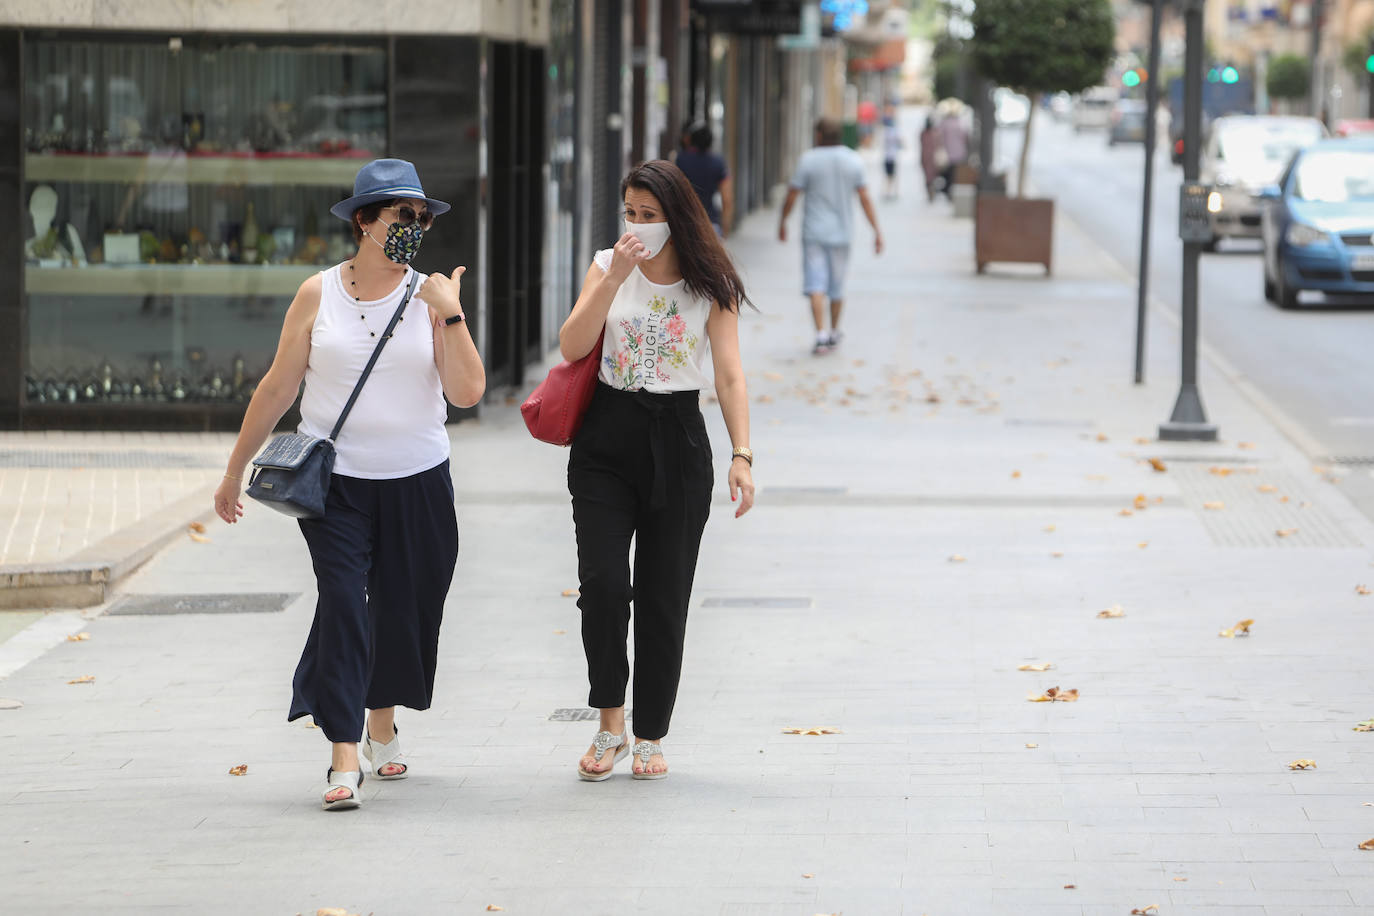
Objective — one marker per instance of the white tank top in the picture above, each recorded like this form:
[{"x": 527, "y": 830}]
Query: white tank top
[
  {"x": 655, "y": 335},
  {"x": 396, "y": 427}
]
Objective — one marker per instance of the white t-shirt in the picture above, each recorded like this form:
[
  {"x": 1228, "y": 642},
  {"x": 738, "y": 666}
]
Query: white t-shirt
[
  {"x": 396, "y": 427},
  {"x": 655, "y": 335}
]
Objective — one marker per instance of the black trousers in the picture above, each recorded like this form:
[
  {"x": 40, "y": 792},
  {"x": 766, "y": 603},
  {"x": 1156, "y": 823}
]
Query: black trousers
[
  {"x": 384, "y": 554},
  {"x": 640, "y": 469}
]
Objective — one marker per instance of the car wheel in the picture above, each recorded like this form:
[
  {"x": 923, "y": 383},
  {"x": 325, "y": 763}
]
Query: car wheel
[
  {"x": 1270, "y": 293},
  {"x": 1210, "y": 246},
  {"x": 1285, "y": 296}
]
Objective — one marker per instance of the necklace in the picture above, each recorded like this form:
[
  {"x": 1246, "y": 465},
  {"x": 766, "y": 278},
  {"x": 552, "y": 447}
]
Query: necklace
[{"x": 352, "y": 289}]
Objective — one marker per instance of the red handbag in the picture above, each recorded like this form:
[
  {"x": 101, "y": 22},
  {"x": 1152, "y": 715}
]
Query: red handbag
[{"x": 553, "y": 411}]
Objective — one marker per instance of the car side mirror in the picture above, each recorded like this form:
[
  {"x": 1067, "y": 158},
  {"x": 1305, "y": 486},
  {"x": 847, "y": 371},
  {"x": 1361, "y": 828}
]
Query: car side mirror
[{"x": 1270, "y": 192}]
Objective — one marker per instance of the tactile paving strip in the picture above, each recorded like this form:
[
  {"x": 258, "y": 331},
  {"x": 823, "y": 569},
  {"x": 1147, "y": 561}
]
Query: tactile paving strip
[
  {"x": 265, "y": 603},
  {"x": 1253, "y": 515},
  {"x": 123, "y": 458}
]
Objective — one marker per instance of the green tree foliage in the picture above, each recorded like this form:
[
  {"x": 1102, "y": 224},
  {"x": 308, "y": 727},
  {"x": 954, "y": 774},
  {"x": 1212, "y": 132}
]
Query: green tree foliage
[
  {"x": 1289, "y": 77},
  {"x": 1037, "y": 46}
]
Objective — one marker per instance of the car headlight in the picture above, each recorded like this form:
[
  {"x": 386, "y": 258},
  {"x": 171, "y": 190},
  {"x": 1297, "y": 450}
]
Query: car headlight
[
  {"x": 1223, "y": 180},
  {"x": 1301, "y": 235}
]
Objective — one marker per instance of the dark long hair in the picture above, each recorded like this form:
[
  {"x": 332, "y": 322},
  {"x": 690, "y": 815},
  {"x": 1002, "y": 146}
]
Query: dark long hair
[{"x": 707, "y": 269}]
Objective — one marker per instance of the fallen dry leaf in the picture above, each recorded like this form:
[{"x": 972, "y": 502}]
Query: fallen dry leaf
[
  {"x": 1158, "y": 465},
  {"x": 1057, "y": 554},
  {"x": 1143, "y": 440},
  {"x": 1240, "y": 629},
  {"x": 773, "y": 376},
  {"x": 1359, "y": 590},
  {"x": 1367, "y": 844},
  {"x": 1146, "y": 910},
  {"x": 1095, "y": 477},
  {"x": 84, "y": 679},
  {"x": 1286, "y": 532},
  {"x": 1101, "y": 437},
  {"x": 570, "y": 593},
  {"x": 813, "y": 730},
  {"x": 1245, "y": 445},
  {"x": 197, "y": 527},
  {"x": 559, "y": 632},
  {"x": 239, "y": 770},
  {"x": 1032, "y": 745},
  {"x": 1143, "y": 544},
  {"x": 198, "y": 538},
  {"x": 1037, "y": 666},
  {"x": 957, "y": 559},
  {"x": 1303, "y": 764},
  {"x": 1115, "y": 610},
  {"x": 1055, "y": 695},
  {"x": 333, "y": 911},
  {"x": 1220, "y": 471},
  {"x": 1015, "y": 474},
  {"x": 493, "y": 908},
  {"x": 1140, "y": 501},
  {"x": 78, "y": 637},
  {"x": 808, "y": 875},
  {"x": 1180, "y": 879},
  {"x": 1125, "y": 512},
  {"x": 1049, "y": 528},
  {"x": 1366, "y": 726},
  {"x": 1214, "y": 504},
  {"x": 1267, "y": 488}
]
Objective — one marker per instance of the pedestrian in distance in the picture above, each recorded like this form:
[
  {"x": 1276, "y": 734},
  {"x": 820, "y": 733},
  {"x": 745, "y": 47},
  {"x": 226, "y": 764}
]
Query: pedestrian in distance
[
  {"x": 933, "y": 157},
  {"x": 640, "y": 466},
  {"x": 709, "y": 175},
  {"x": 954, "y": 136},
  {"x": 892, "y": 148},
  {"x": 830, "y": 176},
  {"x": 385, "y": 549}
]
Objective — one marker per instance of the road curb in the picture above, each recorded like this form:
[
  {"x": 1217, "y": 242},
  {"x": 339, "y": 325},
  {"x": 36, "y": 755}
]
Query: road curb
[{"x": 89, "y": 577}]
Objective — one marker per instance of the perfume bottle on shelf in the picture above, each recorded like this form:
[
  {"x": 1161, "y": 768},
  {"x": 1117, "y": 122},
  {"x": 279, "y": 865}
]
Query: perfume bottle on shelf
[
  {"x": 179, "y": 389},
  {"x": 156, "y": 390},
  {"x": 107, "y": 381},
  {"x": 237, "y": 380}
]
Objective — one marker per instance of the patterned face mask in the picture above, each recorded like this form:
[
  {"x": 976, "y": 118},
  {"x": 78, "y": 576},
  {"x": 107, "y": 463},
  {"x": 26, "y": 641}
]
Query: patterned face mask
[{"x": 401, "y": 241}]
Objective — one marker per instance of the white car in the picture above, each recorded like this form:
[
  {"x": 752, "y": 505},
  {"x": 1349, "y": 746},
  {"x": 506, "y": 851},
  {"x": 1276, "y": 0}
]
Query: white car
[
  {"x": 1093, "y": 109},
  {"x": 1243, "y": 155}
]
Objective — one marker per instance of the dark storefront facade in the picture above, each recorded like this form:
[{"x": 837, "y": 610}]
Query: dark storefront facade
[{"x": 173, "y": 191}]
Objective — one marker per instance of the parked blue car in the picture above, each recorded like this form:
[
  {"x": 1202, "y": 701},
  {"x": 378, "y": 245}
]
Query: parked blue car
[{"x": 1318, "y": 223}]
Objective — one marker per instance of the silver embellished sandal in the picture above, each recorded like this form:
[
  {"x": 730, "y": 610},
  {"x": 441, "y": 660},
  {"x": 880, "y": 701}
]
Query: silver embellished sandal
[
  {"x": 644, "y": 750},
  {"x": 352, "y": 780},
  {"x": 383, "y": 755},
  {"x": 603, "y": 742}
]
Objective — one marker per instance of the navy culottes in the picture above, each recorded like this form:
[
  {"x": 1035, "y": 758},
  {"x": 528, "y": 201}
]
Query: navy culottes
[{"x": 383, "y": 554}]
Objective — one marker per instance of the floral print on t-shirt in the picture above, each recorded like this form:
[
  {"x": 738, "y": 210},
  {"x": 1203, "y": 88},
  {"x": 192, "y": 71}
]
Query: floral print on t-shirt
[{"x": 651, "y": 344}]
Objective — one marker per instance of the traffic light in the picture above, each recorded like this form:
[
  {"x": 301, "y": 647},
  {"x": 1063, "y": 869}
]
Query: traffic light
[
  {"x": 1230, "y": 75},
  {"x": 1132, "y": 78},
  {"x": 1369, "y": 64}
]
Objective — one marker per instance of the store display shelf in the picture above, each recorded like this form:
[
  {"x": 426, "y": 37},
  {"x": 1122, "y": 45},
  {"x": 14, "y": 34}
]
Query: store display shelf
[
  {"x": 319, "y": 171},
  {"x": 169, "y": 279}
]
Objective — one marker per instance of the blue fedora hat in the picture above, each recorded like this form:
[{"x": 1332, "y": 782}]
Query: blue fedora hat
[{"x": 385, "y": 179}]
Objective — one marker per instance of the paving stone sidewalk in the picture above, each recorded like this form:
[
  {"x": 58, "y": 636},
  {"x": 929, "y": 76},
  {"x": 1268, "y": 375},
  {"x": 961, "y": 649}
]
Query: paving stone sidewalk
[{"x": 958, "y": 491}]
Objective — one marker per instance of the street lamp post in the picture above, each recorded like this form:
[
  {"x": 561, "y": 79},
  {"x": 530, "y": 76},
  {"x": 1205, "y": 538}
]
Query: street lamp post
[
  {"x": 1189, "y": 420},
  {"x": 1151, "y": 106}
]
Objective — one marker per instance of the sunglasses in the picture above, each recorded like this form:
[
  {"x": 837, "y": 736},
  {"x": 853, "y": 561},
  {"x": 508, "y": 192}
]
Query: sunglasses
[{"x": 405, "y": 215}]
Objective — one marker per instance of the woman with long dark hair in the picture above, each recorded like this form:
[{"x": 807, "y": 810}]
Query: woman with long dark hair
[{"x": 640, "y": 468}]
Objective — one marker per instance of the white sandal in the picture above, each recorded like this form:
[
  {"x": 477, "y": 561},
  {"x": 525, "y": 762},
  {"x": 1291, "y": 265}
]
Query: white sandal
[
  {"x": 351, "y": 780},
  {"x": 380, "y": 755},
  {"x": 644, "y": 750},
  {"x": 603, "y": 742}
]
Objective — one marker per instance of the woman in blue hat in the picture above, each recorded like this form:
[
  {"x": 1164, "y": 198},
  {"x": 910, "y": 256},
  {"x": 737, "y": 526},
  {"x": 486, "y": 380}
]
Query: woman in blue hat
[{"x": 385, "y": 549}]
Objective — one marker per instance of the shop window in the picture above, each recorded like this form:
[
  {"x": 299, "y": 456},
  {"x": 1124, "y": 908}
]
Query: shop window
[{"x": 176, "y": 195}]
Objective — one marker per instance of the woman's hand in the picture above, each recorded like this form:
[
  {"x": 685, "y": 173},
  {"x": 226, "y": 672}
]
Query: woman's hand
[
  {"x": 627, "y": 254},
  {"x": 441, "y": 293},
  {"x": 741, "y": 485},
  {"x": 227, "y": 505}
]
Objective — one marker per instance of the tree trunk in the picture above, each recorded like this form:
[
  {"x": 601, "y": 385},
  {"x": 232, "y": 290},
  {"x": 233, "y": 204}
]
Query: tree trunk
[{"x": 1025, "y": 146}]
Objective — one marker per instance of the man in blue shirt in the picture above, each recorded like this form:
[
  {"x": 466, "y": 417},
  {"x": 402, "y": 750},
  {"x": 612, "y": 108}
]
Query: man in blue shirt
[
  {"x": 708, "y": 174},
  {"x": 830, "y": 175}
]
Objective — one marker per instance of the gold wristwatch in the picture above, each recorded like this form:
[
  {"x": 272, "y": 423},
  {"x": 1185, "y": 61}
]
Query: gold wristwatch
[{"x": 742, "y": 452}]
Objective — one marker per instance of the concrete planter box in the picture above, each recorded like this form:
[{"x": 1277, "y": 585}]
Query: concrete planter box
[{"x": 1012, "y": 229}]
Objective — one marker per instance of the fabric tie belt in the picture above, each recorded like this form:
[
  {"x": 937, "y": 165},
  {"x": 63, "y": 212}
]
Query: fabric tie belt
[{"x": 662, "y": 406}]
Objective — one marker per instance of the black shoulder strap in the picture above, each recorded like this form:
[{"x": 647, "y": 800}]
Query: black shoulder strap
[{"x": 367, "y": 370}]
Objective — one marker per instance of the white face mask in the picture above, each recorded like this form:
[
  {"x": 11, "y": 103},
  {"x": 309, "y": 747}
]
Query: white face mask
[{"x": 653, "y": 235}]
